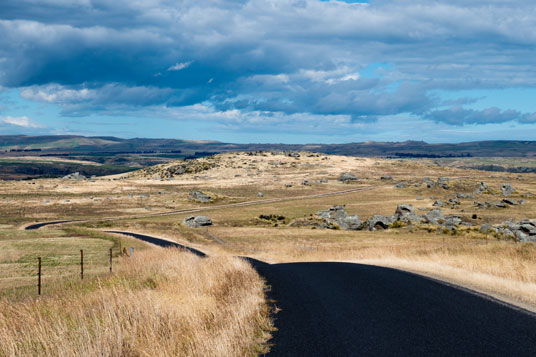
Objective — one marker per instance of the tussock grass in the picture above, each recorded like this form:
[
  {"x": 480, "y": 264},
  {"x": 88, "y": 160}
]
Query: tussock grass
[{"x": 162, "y": 302}]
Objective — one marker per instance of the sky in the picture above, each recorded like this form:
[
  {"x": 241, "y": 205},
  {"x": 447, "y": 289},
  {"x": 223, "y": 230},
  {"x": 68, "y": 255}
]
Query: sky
[{"x": 260, "y": 71}]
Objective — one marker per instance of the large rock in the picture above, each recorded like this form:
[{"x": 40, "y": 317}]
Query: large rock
[
  {"x": 195, "y": 222},
  {"x": 347, "y": 177},
  {"x": 406, "y": 213},
  {"x": 378, "y": 222},
  {"x": 507, "y": 189},
  {"x": 337, "y": 215},
  {"x": 482, "y": 188},
  {"x": 200, "y": 197},
  {"x": 435, "y": 216},
  {"x": 74, "y": 176}
]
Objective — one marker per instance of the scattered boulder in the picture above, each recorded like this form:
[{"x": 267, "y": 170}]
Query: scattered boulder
[
  {"x": 435, "y": 216},
  {"x": 438, "y": 203},
  {"x": 485, "y": 228},
  {"x": 347, "y": 177},
  {"x": 378, "y": 222},
  {"x": 401, "y": 185},
  {"x": 324, "y": 180},
  {"x": 507, "y": 189},
  {"x": 200, "y": 197},
  {"x": 386, "y": 178},
  {"x": 195, "y": 222},
  {"x": 455, "y": 200},
  {"x": 482, "y": 188},
  {"x": 74, "y": 176},
  {"x": 429, "y": 183},
  {"x": 306, "y": 183},
  {"x": 523, "y": 231},
  {"x": 509, "y": 201},
  {"x": 406, "y": 213},
  {"x": 260, "y": 194},
  {"x": 337, "y": 215}
]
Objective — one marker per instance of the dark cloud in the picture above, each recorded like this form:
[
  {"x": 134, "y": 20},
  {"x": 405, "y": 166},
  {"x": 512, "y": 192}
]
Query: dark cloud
[{"x": 290, "y": 57}]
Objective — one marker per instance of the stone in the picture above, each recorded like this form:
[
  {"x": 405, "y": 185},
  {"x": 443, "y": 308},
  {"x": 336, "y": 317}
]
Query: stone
[
  {"x": 306, "y": 183},
  {"x": 435, "y": 216},
  {"x": 401, "y": 185},
  {"x": 499, "y": 204},
  {"x": 337, "y": 215},
  {"x": 200, "y": 197},
  {"x": 74, "y": 176},
  {"x": 509, "y": 202},
  {"x": 429, "y": 183},
  {"x": 455, "y": 200},
  {"x": 406, "y": 213},
  {"x": 419, "y": 198},
  {"x": 195, "y": 222},
  {"x": 378, "y": 222},
  {"x": 385, "y": 178},
  {"x": 485, "y": 228},
  {"x": 438, "y": 203},
  {"x": 482, "y": 188},
  {"x": 260, "y": 194},
  {"x": 288, "y": 185},
  {"x": 507, "y": 189},
  {"x": 347, "y": 177},
  {"x": 324, "y": 180}
]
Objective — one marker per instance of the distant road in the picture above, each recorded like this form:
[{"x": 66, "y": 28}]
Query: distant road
[
  {"x": 206, "y": 208},
  {"x": 344, "y": 309},
  {"x": 160, "y": 242}
]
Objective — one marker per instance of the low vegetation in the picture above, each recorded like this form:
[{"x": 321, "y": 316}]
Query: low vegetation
[{"x": 160, "y": 303}]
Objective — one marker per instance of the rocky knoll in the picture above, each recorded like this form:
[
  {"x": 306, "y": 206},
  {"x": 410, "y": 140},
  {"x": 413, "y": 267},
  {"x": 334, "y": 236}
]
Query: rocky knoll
[
  {"x": 523, "y": 231},
  {"x": 337, "y": 216}
]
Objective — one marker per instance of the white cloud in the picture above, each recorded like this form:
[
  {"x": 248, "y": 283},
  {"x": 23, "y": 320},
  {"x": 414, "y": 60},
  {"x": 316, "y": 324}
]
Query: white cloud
[
  {"x": 23, "y": 121},
  {"x": 180, "y": 65}
]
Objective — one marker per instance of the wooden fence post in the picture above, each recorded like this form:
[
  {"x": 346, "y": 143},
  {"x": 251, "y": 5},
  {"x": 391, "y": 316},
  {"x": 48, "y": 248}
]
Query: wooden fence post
[
  {"x": 39, "y": 276},
  {"x": 81, "y": 264},
  {"x": 110, "y": 260}
]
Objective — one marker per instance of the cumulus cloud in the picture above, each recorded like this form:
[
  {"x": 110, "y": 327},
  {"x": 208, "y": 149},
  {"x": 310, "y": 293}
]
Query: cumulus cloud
[
  {"x": 493, "y": 115},
  {"x": 300, "y": 57},
  {"x": 180, "y": 65},
  {"x": 23, "y": 121}
]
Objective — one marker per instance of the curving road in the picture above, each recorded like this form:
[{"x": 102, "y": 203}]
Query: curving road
[
  {"x": 160, "y": 242},
  {"x": 343, "y": 309}
]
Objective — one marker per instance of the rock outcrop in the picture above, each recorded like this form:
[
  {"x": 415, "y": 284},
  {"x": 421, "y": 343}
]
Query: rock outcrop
[
  {"x": 200, "y": 197},
  {"x": 507, "y": 189},
  {"x": 482, "y": 188},
  {"x": 347, "y": 177},
  {"x": 196, "y": 222},
  {"x": 378, "y": 222},
  {"x": 337, "y": 216}
]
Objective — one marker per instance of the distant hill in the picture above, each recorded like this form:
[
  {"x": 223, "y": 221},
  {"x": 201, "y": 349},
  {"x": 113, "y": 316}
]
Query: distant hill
[
  {"x": 99, "y": 144},
  {"x": 108, "y": 155}
]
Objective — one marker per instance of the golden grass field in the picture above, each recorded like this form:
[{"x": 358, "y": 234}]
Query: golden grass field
[{"x": 502, "y": 268}]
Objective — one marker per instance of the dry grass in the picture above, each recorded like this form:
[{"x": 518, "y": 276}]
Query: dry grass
[{"x": 161, "y": 303}]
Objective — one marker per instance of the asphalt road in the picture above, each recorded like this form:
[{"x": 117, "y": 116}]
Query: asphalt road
[
  {"x": 343, "y": 309},
  {"x": 160, "y": 242}
]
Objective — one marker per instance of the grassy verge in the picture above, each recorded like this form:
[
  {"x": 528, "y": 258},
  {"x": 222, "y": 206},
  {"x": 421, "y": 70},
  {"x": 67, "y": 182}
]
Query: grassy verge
[{"x": 160, "y": 303}]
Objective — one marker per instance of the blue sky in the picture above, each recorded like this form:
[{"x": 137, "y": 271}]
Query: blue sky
[{"x": 296, "y": 71}]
